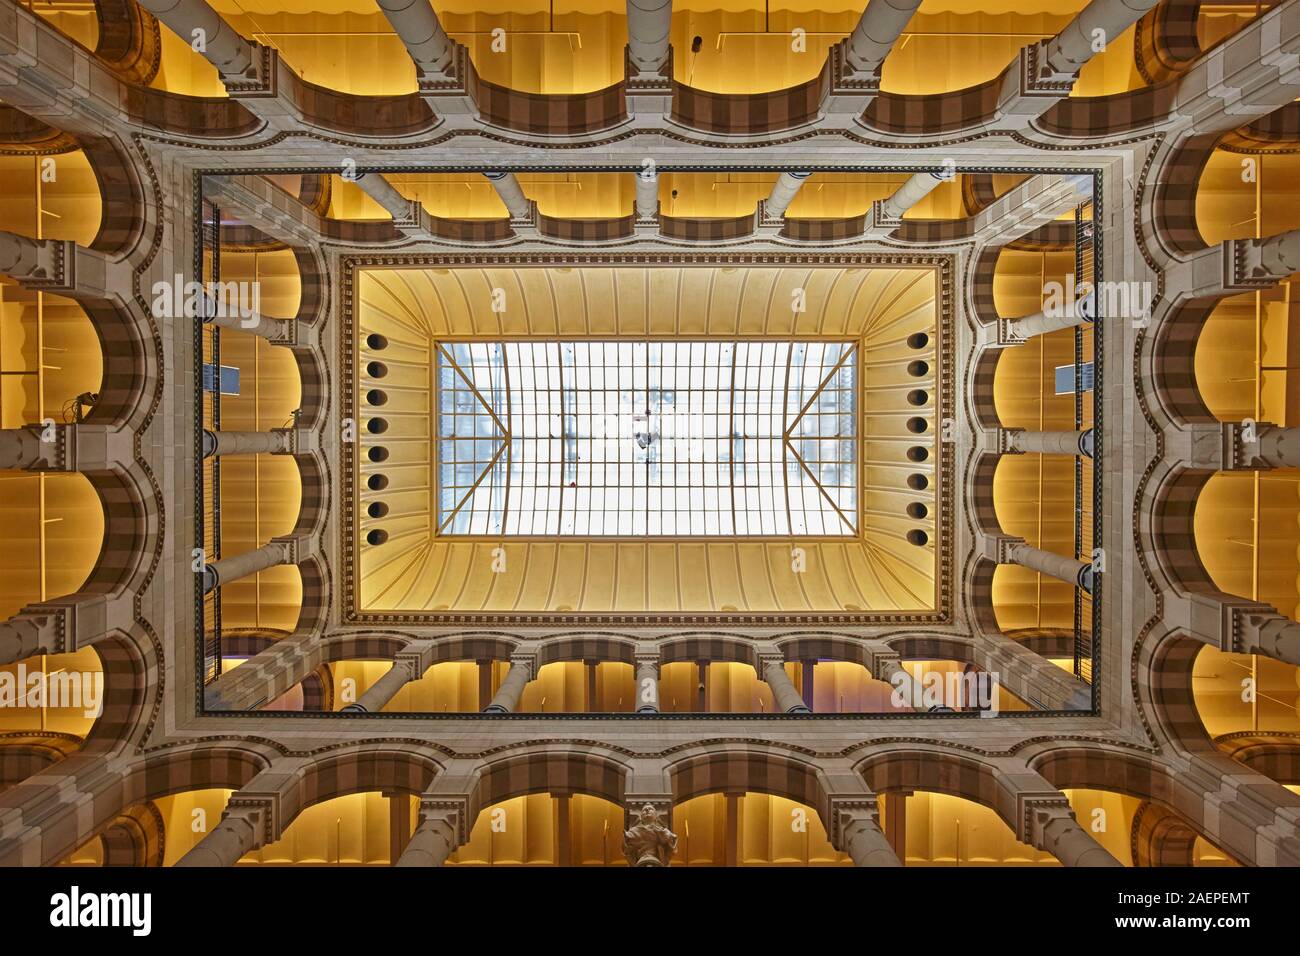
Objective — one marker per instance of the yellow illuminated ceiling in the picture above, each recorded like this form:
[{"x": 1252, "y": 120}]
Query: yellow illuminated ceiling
[
  {"x": 577, "y": 47},
  {"x": 411, "y": 568}
]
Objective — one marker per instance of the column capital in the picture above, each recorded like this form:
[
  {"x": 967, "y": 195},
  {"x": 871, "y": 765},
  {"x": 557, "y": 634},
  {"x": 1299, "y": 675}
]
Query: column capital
[
  {"x": 526, "y": 660},
  {"x": 1248, "y": 265},
  {"x": 997, "y": 547},
  {"x": 1216, "y": 446},
  {"x": 416, "y": 657},
  {"x": 1030, "y": 85},
  {"x": 843, "y": 809},
  {"x": 61, "y": 446},
  {"x": 261, "y": 810},
  {"x": 450, "y": 808},
  {"x": 1035, "y": 811}
]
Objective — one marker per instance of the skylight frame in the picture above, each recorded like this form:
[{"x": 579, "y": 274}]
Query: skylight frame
[{"x": 798, "y": 510}]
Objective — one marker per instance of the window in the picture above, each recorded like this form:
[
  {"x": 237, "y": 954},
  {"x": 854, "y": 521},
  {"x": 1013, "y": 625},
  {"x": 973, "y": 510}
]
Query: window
[{"x": 636, "y": 438}]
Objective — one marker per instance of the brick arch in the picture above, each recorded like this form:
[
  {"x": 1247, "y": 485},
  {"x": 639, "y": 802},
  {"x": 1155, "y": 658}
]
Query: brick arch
[
  {"x": 1173, "y": 360},
  {"x": 122, "y": 224},
  {"x": 360, "y": 646},
  {"x": 1165, "y": 41},
  {"x": 130, "y": 41},
  {"x": 941, "y": 771},
  {"x": 474, "y": 647},
  {"x": 983, "y": 375},
  {"x": 1160, "y": 837},
  {"x": 202, "y": 765},
  {"x": 983, "y": 509},
  {"x": 313, "y": 376},
  {"x": 132, "y": 682},
  {"x": 1170, "y": 535},
  {"x": 549, "y": 768},
  {"x": 24, "y": 753},
  {"x": 576, "y": 647},
  {"x": 362, "y": 768},
  {"x": 314, "y": 612},
  {"x": 940, "y": 647},
  {"x": 131, "y": 525},
  {"x": 24, "y": 135},
  {"x": 1087, "y": 117},
  {"x": 1099, "y": 767},
  {"x": 1176, "y": 182},
  {"x": 313, "y": 474},
  {"x": 979, "y": 282},
  {"x": 753, "y": 768},
  {"x": 1276, "y": 755},
  {"x": 1277, "y": 132},
  {"x": 748, "y": 114},
  {"x": 1164, "y": 686},
  {"x": 837, "y": 647},
  {"x": 707, "y": 647},
  {"x": 978, "y": 587},
  {"x": 131, "y": 373},
  {"x": 977, "y": 192},
  {"x": 932, "y": 115}
]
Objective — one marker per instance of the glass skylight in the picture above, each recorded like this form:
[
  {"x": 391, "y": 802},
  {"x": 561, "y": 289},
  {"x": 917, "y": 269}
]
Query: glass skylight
[{"x": 639, "y": 438}]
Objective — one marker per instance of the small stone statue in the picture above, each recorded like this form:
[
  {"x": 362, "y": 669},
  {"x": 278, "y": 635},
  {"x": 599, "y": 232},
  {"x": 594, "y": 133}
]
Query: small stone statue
[{"x": 649, "y": 842}]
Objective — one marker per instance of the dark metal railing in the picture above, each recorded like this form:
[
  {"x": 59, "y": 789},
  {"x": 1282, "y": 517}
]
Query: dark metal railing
[{"x": 210, "y": 468}]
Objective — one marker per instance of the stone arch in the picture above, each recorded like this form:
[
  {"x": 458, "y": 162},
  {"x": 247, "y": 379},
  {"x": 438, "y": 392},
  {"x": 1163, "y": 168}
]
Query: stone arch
[
  {"x": 751, "y": 767},
  {"x": 576, "y": 647},
  {"x": 707, "y": 647},
  {"x": 549, "y": 768}
]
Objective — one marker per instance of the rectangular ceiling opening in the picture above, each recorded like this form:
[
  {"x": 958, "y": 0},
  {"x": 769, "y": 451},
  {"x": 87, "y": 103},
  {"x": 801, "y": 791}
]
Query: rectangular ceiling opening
[{"x": 634, "y": 438}]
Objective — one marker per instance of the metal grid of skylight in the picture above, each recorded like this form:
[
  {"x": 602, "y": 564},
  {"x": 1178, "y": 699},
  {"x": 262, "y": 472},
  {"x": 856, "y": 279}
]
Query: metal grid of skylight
[{"x": 636, "y": 438}]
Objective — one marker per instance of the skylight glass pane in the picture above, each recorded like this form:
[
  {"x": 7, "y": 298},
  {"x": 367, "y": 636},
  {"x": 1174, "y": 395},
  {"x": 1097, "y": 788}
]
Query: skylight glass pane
[{"x": 647, "y": 438}]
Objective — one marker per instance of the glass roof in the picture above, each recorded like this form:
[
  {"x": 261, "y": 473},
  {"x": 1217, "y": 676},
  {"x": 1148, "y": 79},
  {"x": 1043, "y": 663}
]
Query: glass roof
[{"x": 634, "y": 438}]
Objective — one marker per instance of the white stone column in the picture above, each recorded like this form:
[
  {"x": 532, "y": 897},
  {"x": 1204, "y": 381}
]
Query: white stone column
[
  {"x": 202, "y": 28},
  {"x": 878, "y": 29},
  {"x": 512, "y": 688},
  {"x": 911, "y": 193},
  {"x": 783, "y": 192},
  {"x": 442, "y": 828},
  {"x": 1054, "y": 829},
  {"x": 647, "y": 684},
  {"x": 1101, "y": 21},
  {"x": 240, "y": 831},
  {"x": 788, "y": 701},
  {"x": 1074, "y": 572},
  {"x": 649, "y": 23},
  {"x": 647, "y": 195},
  {"x": 243, "y": 565},
  {"x": 383, "y": 690},
  {"x": 383, "y": 192},
  {"x": 276, "y": 442},
  {"x": 418, "y": 27},
  {"x": 1051, "y": 443},
  {"x": 511, "y": 193}
]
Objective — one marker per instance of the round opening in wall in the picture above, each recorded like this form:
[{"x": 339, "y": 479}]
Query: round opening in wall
[
  {"x": 917, "y": 510},
  {"x": 917, "y": 425},
  {"x": 377, "y": 509},
  {"x": 377, "y": 426},
  {"x": 378, "y": 453},
  {"x": 376, "y": 369},
  {"x": 918, "y": 397},
  {"x": 376, "y": 341},
  {"x": 917, "y": 453},
  {"x": 918, "y": 482},
  {"x": 377, "y": 536},
  {"x": 917, "y": 537},
  {"x": 916, "y": 369},
  {"x": 376, "y": 396},
  {"x": 377, "y": 482},
  {"x": 918, "y": 340}
]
